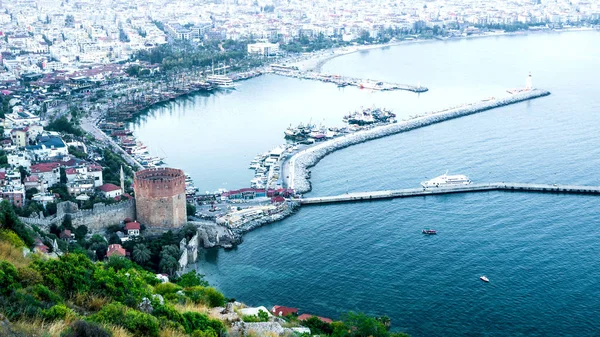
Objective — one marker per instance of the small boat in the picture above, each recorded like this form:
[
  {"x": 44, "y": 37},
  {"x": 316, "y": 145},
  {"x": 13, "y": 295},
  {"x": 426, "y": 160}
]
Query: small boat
[
  {"x": 429, "y": 231},
  {"x": 484, "y": 279}
]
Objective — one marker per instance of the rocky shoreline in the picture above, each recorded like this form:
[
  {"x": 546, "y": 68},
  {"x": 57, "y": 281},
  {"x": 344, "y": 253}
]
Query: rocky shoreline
[{"x": 301, "y": 162}]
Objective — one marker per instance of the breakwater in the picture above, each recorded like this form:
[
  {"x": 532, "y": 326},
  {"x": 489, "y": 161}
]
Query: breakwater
[
  {"x": 298, "y": 165},
  {"x": 420, "y": 192}
]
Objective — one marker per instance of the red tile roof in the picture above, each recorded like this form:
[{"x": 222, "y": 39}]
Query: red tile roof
[
  {"x": 132, "y": 225},
  {"x": 44, "y": 167},
  {"x": 115, "y": 249},
  {"x": 108, "y": 187},
  {"x": 279, "y": 310},
  {"x": 304, "y": 317}
]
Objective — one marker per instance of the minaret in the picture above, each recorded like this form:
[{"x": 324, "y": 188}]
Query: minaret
[
  {"x": 529, "y": 82},
  {"x": 122, "y": 180}
]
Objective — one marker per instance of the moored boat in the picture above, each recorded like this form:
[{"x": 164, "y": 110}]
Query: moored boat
[{"x": 446, "y": 180}]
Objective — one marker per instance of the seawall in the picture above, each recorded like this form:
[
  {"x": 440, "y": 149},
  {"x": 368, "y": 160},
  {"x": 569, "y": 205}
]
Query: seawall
[{"x": 300, "y": 162}]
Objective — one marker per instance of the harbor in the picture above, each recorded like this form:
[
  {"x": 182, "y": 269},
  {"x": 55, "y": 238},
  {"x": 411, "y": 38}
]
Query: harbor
[
  {"x": 470, "y": 188},
  {"x": 297, "y": 169},
  {"x": 343, "y": 81}
]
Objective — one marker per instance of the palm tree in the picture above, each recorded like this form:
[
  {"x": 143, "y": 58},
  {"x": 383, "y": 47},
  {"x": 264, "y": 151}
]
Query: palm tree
[{"x": 141, "y": 253}]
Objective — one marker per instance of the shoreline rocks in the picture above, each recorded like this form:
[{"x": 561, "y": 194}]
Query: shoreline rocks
[{"x": 308, "y": 158}]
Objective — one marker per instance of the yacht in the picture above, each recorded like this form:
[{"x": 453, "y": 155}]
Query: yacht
[
  {"x": 446, "y": 180},
  {"x": 484, "y": 279}
]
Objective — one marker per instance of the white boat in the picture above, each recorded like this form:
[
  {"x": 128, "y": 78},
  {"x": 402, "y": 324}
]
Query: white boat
[
  {"x": 446, "y": 180},
  {"x": 221, "y": 81},
  {"x": 484, "y": 278}
]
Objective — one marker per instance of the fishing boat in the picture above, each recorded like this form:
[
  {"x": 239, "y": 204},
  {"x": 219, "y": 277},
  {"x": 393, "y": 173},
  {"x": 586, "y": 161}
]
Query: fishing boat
[{"x": 429, "y": 231}]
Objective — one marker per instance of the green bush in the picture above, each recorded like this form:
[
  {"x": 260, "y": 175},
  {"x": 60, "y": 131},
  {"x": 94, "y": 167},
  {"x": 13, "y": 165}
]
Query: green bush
[
  {"x": 138, "y": 323},
  {"x": 11, "y": 237},
  {"x": 197, "y": 321},
  {"x": 205, "y": 295},
  {"x": 85, "y": 329},
  {"x": 141, "y": 324},
  {"x": 169, "y": 314},
  {"x": 41, "y": 293},
  {"x": 168, "y": 290},
  {"x": 19, "y": 305},
  {"x": 9, "y": 278},
  {"x": 29, "y": 276},
  {"x": 72, "y": 273},
  {"x": 206, "y": 333},
  {"x": 192, "y": 279},
  {"x": 56, "y": 312}
]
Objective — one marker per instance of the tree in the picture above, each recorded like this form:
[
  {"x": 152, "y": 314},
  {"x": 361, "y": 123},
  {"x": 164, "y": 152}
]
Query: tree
[
  {"x": 363, "y": 325},
  {"x": 140, "y": 254},
  {"x": 191, "y": 279},
  {"x": 190, "y": 209},
  {"x": 81, "y": 232},
  {"x": 63, "y": 176}
]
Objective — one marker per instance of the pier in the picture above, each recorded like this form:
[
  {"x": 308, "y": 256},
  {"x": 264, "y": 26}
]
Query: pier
[
  {"x": 471, "y": 188},
  {"x": 351, "y": 81},
  {"x": 297, "y": 167}
]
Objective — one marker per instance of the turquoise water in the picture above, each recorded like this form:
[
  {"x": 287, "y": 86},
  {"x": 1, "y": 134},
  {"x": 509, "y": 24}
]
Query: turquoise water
[{"x": 539, "y": 251}]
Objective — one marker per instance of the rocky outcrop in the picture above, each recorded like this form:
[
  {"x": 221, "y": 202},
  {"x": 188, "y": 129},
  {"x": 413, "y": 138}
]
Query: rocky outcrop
[
  {"x": 240, "y": 329},
  {"x": 308, "y": 158},
  {"x": 250, "y": 225},
  {"x": 212, "y": 235}
]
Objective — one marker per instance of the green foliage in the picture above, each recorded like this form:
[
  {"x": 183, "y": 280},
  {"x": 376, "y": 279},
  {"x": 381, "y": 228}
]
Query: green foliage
[
  {"x": 138, "y": 323},
  {"x": 9, "y": 278},
  {"x": 62, "y": 124},
  {"x": 263, "y": 315},
  {"x": 206, "y": 333},
  {"x": 86, "y": 329},
  {"x": 58, "y": 311},
  {"x": 197, "y": 321},
  {"x": 317, "y": 326},
  {"x": 29, "y": 276},
  {"x": 167, "y": 313},
  {"x": 205, "y": 295},
  {"x": 141, "y": 254},
  {"x": 363, "y": 325},
  {"x": 70, "y": 274},
  {"x": 168, "y": 290},
  {"x": 192, "y": 279},
  {"x": 118, "y": 263},
  {"x": 20, "y": 304},
  {"x": 190, "y": 209},
  {"x": 125, "y": 285},
  {"x": 81, "y": 232},
  {"x": 11, "y": 237},
  {"x": 77, "y": 153},
  {"x": 41, "y": 293},
  {"x": 169, "y": 257},
  {"x": 9, "y": 220}
]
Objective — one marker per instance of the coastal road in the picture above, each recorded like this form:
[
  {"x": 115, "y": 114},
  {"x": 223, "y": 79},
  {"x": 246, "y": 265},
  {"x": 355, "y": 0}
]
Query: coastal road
[{"x": 89, "y": 125}]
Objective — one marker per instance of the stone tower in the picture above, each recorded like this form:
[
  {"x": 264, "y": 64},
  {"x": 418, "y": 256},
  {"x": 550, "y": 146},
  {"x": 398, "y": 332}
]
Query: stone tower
[{"x": 160, "y": 197}]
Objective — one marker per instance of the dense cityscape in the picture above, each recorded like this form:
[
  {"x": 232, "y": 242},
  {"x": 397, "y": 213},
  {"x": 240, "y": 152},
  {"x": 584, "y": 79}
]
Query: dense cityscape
[{"x": 98, "y": 237}]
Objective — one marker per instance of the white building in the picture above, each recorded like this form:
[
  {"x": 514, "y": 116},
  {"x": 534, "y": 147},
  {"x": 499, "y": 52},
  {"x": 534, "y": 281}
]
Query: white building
[{"x": 263, "y": 48}]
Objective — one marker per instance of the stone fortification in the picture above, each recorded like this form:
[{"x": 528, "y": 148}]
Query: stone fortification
[
  {"x": 303, "y": 160},
  {"x": 100, "y": 216},
  {"x": 160, "y": 197}
]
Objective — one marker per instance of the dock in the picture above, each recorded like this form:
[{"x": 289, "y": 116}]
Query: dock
[
  {"x": 343, "y": 81},
  {"x": 471, "y": 188}
]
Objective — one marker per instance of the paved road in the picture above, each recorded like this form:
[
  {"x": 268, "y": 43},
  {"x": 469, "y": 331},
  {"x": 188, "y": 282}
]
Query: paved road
[{"x": 89, "y": 125}]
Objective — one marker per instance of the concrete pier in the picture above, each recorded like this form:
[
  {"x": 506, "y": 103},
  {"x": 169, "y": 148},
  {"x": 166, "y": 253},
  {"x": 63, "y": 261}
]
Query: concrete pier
[
  {"x": 420, "y": 192},
  {"x": 297, "y": 167},
  {"x": 368, "y": 84}
]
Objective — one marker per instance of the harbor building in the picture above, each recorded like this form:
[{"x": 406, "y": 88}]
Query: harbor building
[{"x": 160, "y": 197}]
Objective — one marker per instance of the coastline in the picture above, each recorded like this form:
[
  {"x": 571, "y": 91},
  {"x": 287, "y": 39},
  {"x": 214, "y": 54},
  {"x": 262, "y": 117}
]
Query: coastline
[{"x": 317, "y": 60}]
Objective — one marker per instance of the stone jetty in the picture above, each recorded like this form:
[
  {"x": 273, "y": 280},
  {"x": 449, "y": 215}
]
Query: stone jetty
[{"x": 299, "y": 163}]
